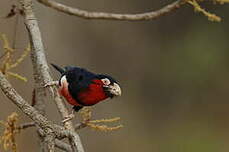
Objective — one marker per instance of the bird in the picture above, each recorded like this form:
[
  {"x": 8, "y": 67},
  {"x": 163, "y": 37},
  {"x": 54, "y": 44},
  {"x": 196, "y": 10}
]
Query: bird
[{"x": 81, "y": 87}]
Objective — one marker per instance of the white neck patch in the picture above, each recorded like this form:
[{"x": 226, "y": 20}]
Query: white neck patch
[{"x": 63, "y": 81}]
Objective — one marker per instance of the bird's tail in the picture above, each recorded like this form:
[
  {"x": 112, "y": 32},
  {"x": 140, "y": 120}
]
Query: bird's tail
[{"x": 58, "y": 68}]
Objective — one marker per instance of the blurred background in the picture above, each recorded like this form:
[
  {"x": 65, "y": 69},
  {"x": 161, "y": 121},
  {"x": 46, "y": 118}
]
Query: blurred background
[{"x": 174, "y": 73}]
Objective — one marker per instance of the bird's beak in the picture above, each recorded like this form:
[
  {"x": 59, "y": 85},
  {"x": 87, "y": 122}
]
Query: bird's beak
[{"x": 113, "y": 90}]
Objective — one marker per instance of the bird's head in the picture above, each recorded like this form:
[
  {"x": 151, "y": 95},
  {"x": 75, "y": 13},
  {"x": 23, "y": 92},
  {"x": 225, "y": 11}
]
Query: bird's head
[{"x": 110, "y": 86}]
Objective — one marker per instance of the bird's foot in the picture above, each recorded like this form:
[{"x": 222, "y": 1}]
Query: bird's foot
[
  {"x": 68, "y": 118},
  {"x": 51, "y": 83},
  {"x": 49, "y": 86}
]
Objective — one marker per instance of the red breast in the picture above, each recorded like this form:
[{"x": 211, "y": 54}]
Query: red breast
[
  {"x": 93, "y": 94},
  {"x": 90, "y": 96}
]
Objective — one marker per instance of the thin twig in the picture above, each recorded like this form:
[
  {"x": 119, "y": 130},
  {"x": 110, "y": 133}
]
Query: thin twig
[
  {"x": 26, "y": 125},
  {"x": 3, "y": 55},
  {"x": 112, "y": 16},
  {"x": 15, "y": 31},
  {"x": 80, "y": 126}
]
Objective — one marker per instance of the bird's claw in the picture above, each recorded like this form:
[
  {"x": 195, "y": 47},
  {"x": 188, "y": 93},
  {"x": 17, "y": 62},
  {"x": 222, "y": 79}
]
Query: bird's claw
[
  {"x": 68, "y": 118},
  {"x": 51, "y": 83}
]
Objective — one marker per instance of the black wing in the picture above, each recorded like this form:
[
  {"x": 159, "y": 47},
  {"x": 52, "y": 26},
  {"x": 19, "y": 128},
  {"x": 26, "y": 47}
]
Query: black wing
[
  {"x": 59, "y": 69},
  {"x": 78, "y": 79}
]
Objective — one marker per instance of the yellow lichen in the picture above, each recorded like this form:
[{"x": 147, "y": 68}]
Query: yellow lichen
[
  {"x": 104, "y": 128},
  {"x": 8, "y": 137},
  {"x": 7, "y": 59},
  {"x": 17, "y": 76},
  {"x": 221, "y": 1},
  {"x": 105, "y": 120},
  {"x": 85, "y": 113},
  {"x": 198, "y": 8},
  {"x": 86, "y": 116},
  {"x": 21, "y": 58}
]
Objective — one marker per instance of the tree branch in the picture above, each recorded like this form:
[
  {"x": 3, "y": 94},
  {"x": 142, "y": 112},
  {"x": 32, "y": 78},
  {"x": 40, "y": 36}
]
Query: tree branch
[
  {"x": 30, "y": 111},
  {"x": 48, "y": 129},
  {"x": 63, "y": 146},
  {"x": 68, "y": 125},
  {"x": 50, "y": 142},
  {"x": 40, "y": 67},
  {"x": 11, "y": 93},
  {"x": 112, "y": 16}
]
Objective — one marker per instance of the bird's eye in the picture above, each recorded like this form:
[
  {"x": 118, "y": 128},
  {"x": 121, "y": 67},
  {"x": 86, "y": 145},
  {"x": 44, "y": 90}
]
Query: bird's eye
[{"x": 106, "y": 81}]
